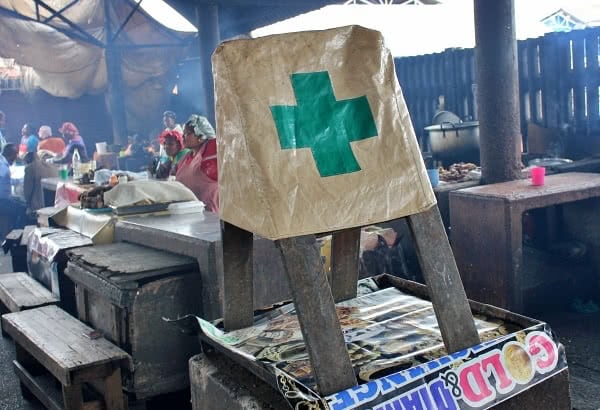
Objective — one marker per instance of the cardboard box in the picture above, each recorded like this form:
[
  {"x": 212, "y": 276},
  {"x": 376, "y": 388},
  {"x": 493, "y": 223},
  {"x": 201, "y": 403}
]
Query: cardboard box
[
  {"x": 98, "y": 226},
  {"x": 47, "y": 260},
  {"x": 393, "y": 340}
]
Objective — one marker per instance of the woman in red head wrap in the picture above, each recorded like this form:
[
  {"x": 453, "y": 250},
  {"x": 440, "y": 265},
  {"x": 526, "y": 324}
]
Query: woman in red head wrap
[
  {"x": 172, "y": 140},
  {"x": 74, "y": 142}
]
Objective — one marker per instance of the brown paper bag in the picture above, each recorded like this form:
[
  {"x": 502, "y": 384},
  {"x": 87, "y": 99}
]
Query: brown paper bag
[{"x": 314, "y": 134}]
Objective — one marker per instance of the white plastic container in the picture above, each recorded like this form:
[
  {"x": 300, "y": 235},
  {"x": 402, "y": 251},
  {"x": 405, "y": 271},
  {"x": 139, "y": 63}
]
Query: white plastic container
[
  {"x": 76, "y": 164},
  {"x": 187, "y": 207}
]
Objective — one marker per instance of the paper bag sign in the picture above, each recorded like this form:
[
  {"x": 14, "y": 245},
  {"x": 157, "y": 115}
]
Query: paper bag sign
[{"x": 313, "y": 134}]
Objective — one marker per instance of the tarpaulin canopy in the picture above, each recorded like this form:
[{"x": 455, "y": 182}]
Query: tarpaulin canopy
[{"x": 64, "y": 43}]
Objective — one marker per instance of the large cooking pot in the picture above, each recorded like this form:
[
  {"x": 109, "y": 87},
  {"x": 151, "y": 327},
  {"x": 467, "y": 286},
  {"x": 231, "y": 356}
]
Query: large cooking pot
[{"x": 454, "y": 140}]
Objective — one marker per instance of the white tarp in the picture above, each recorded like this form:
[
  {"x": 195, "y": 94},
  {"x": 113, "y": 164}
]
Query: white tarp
[{"x": 65, "y": 66}]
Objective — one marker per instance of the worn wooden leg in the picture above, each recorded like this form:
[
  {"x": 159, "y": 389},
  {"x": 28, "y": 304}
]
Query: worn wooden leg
[
  {"x": 443, "y": 280},
  {"x": 73, "y": 397},
  {"x": 345, "y": 248},
  {"x": 26, "y": 360},
  {"x": 238, "y": 285},
  {"x": 316, "y": 313},
  {"x": 113, "y": 392},
  {"x": 82, "y": 303}
]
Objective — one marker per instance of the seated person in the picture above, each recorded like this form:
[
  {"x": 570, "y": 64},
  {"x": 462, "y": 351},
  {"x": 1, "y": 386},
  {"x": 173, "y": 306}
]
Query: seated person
[
  {"x": 55, "y": 145},
  {"x": 75, "y": 142},
  {"x": 12, "y": 213},
  {"x": 197, "y": 170},
  {"x": 170, "y": 122},
  {"x": 173, "y": 143},
  {"x": 36, "y": 169},
  {"x": 136, "y": 156}
]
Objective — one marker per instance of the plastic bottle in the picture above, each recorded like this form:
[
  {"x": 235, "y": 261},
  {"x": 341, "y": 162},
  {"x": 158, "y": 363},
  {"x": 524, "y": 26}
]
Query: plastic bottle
[{"x": 76, "y": 163}]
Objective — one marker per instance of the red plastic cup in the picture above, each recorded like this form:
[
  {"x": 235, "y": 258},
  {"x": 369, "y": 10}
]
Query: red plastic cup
[{"x": 538, "y": 175}]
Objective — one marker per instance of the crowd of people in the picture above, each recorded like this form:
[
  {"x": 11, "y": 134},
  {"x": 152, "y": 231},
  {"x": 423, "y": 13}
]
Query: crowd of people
[{"x": 186, "y": 154}]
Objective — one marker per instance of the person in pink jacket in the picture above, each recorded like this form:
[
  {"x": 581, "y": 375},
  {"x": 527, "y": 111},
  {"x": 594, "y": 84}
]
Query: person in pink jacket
[{"x": 198, "y": 168}]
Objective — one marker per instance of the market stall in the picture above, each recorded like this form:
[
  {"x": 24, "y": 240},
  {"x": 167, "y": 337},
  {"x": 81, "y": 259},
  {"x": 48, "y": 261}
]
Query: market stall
[{"x": 382, "y": 347}]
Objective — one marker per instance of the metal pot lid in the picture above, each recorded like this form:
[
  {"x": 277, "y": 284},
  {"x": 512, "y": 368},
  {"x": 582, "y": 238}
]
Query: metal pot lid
[
  {"x": 447, "y": 126},
  {"x": 549, "y": 162},
  {"x": 445, "y": 116}
]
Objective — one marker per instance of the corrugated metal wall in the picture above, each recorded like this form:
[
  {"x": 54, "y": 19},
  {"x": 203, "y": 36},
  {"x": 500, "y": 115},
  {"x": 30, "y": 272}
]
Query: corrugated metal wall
[{"x": 559, "y": 81}]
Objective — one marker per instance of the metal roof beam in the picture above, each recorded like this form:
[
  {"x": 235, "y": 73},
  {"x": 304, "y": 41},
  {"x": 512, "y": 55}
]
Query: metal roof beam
[
  {"x": 68, "y": 6},
  {"x": 129, "y": 16},
  {"x": 90, "y": 39},
  {"x": 68, "y": 33}
]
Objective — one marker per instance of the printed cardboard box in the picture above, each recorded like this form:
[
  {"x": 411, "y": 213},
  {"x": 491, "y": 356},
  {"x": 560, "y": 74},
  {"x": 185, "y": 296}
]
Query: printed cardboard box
[{"x": 397, "y": 353}]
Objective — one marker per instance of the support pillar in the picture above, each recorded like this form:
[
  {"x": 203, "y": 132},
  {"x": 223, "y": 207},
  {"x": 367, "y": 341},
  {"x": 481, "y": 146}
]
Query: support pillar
[
  {"x": 497, "y": 90},
  {"x": 116, "y": 99},
  {"x": 208, "y": 29}
]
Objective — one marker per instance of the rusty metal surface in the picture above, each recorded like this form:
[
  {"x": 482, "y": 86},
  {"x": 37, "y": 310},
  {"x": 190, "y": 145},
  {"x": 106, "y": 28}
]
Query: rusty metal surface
[
  {"x": 487, "y": 232},
  {"x": 442, "y": 195},
  {"x": 571, "y": 185},
  {"x": 199, "y": 236},
  {"x": 204, "y": 226}
]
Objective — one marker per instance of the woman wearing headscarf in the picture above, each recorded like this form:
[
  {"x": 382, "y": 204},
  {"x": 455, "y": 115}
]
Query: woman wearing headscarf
[
  {"x": 74, "y": 142},
  {"x": 49, "y": 143},
  {"x": 198, "y": 168},
  {"x": 172, "y": 140}
]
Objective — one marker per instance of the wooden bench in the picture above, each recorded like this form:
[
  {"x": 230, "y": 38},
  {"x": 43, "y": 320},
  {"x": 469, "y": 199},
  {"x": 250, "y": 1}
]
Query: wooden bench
[
  {"x": 19, "y": 291},
  {"x": 51, "y": 339}
]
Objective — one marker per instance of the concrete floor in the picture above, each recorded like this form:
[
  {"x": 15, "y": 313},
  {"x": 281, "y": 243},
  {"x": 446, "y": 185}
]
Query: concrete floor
[
  {"x": 580, "y": 333},
  {"x": 10, "y": 394}
]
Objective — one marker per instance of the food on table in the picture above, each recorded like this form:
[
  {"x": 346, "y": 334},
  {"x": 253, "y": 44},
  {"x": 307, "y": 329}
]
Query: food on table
[{"x": 457, "y": 172}]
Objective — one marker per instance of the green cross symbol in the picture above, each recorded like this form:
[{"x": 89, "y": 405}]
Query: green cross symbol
[{"x": 324, "y": 125}]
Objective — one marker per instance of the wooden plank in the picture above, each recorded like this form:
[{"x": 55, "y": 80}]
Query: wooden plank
[
  {"x": 592, "y": 79},
  {"x": 160, "y": 350},
  {"x": 94, "y": 405},
  {"x": 123, "y": 262},
  {"x": 443, "y": 280},
  {"x": 120, "y": 295},
  {"x": 113, "y": 393},
  {"x": 72, "y": 397},
  {"x": 19, "y": 291},
  {"x": 57, "y": 341},
  {"x": 82, "y": 302},
  {"x": 317, "y": 315},
  {"x": 549, "y": 77},
  {"x": 37, "y": 389},
  {"x": 238, "y": 285},
  {"x": 579, "y": 92},
  {"x": 345, "y": 248}
]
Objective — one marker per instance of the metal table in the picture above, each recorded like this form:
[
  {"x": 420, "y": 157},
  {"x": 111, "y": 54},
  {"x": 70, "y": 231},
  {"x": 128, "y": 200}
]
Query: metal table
[
  {"x": 51, "y": 185},
  {"x": 199, "y": 235},
  {"x": 487, "y": 231},
  {"x": 49, "y": 189}
]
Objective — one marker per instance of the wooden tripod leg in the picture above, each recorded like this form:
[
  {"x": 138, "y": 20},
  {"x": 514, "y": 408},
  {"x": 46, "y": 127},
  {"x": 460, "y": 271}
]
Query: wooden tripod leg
[
  {"x": 72, "y": 397},
  {"x": 238, "y": 277},
  {"x": 316, "y": 312},
  {"x": 345, "y": 247},
  {"x": 443, "y": 280}
]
